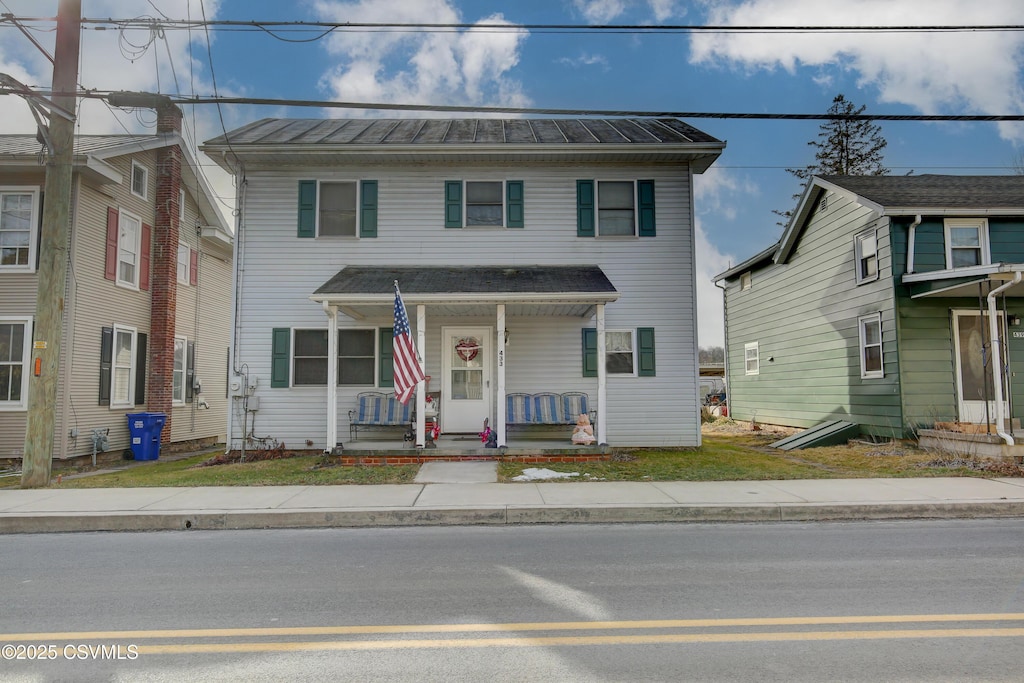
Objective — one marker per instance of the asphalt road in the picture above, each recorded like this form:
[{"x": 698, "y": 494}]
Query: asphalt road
[{"x": 892, "y": 601}]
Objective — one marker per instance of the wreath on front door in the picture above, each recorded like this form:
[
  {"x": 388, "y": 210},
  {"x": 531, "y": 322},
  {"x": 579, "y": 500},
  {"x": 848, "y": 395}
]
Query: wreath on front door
[{"x": 467, "y": 348}]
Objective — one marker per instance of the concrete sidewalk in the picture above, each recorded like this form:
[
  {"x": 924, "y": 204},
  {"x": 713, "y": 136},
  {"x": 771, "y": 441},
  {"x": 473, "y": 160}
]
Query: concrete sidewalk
[{"x": 461, "y": 495}]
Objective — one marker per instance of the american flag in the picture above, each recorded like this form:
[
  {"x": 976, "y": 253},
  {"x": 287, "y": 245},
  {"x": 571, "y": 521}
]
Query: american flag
[{"x": 408, "y": 370}]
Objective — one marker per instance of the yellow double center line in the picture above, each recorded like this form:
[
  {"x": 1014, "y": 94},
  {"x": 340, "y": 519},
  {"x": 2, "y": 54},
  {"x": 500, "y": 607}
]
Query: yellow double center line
[{"x": 532, "y": 640}]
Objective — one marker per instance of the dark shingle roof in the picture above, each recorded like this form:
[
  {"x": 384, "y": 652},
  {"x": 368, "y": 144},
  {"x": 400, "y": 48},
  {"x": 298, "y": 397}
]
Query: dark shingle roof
[
  {"x": 469, "y": 280},
  {"x": 463, "y": 132},
  {"x": 937, "y": 191}
]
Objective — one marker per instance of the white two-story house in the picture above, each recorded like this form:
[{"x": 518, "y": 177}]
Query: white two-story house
[{"x": 532, "y": 255}]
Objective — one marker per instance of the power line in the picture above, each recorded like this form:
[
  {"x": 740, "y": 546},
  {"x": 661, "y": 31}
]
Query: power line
[{"x": 604, "y": 113}]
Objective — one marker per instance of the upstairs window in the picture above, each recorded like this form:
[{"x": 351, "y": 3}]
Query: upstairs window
[
  {"x": 128, "y": 249},
  {"x": 18, "y": 218},
  {"x": 140, "y": 180},
  {"x": 966, "y": 242},
  {"x": 610, "y": 208},
  {"x": 184, "y": 256},
  {"x": 337, "y": 213},
  {"x": 745, "y": 281},
  {"x": 866, "y": 250},
  {"x": 483, "y": 204}
]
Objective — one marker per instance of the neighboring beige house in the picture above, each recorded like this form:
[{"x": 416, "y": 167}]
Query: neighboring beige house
[{"x": 147, "y": 299}]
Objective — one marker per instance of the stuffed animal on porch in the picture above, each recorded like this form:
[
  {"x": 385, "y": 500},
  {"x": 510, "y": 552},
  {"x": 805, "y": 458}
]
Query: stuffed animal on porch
[{"x": 583, "y": 433}]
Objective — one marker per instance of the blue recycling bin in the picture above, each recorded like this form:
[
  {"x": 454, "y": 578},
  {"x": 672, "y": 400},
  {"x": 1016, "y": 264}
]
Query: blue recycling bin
[{"x": 145, "y": 429}]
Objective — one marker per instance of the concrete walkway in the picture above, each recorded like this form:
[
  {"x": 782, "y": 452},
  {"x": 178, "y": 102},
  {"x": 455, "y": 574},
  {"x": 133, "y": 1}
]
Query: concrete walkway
[{"x": 466, "y": 493}]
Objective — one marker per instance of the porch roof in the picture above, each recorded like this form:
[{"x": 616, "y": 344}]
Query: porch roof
[
  {"x": 964, "y": 282},
  {"x": 568, "y": 290}
]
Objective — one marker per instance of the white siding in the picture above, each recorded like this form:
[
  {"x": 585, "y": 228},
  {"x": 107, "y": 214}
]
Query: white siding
[{"x": 654, "y": 277}]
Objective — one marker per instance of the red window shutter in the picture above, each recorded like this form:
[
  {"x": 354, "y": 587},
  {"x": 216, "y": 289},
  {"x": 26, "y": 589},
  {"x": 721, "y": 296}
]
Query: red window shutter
[
  {"x": 193, "y": 267},
  {"x": 110, "y": 271},
  {"x": 147, "y": 232}
]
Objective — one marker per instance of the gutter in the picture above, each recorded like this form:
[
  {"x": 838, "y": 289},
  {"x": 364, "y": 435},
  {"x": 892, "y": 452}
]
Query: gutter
[{"x": 997, "y": 368}]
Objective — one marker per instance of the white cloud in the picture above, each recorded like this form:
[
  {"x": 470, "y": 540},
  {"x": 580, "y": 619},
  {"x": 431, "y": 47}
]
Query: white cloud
[
  {"x": 606, "y": 11},
  {"x": 585, "y": 59},
  {"x": 715, "y": 191},
  {"x": 931, "y": 71},
  {"x": 464, "y": 67}
]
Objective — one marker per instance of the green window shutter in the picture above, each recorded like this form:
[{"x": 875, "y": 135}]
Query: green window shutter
[
  {"x": 106, "y": 362},
  {"x": 645, "y": 356},
  {"x": 585, "y": 208},
  {"x": 368, "y": 209},
  {"x": 386, "y": 374},
  {"x": 590, "y": 352},
  {"x": 645, "y": 195},
  {"x": 140, "y": 369},
  {"x": 514, "y": 203},
  {"x": 307, "y": 208},
  {"x": 280, "y": 357},
  {"x": 453, "y": 204}
]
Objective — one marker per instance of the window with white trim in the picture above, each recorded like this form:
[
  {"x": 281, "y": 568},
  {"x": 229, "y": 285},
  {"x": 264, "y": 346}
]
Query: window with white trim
[
  {"x": 129, "y": 242},
  {"x": 966, "y": 242},
  {"x": 15, "y": 356},
  {"x": 865, "y": 247},
  {"x": 184, "y": 261},
  {"x": 19, "y": 218},
  {"x": 122, "y": 375},
  {"x": 485, "y": 203},
  {"x": 357, "y": 357},
  {"x": 870, "y": 346},
  {"x": 620, "y": 358},
  {"x": 337, "y": 213},
  {"x": 181, "y": 205},
  {"x": 751, "y": 359},
  {"x": 140, "y": 179},
  {"x": 178, "y": 374},
  {"x": 616, "y": 207},
  {"x": 745, "y": 281}
]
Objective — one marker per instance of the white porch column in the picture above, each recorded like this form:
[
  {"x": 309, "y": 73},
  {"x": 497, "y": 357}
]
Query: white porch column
[
  {"x": 499, "y": 421},
  {"x": 332, "y": 376},
  {"x": 602, "y": 380},
  {"x": 421, "y": 389}
]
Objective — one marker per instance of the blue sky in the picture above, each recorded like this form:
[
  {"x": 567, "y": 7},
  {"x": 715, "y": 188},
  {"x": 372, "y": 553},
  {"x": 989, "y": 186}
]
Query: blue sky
[{"x": 893, "y": 73}]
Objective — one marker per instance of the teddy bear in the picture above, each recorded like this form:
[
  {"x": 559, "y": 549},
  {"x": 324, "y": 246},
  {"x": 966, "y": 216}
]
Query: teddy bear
[{"x": 583, "y": 433}]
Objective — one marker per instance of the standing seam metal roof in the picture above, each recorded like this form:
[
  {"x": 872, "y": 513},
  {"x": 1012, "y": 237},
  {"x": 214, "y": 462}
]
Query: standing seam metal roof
[{"x": 464, "y": 131}]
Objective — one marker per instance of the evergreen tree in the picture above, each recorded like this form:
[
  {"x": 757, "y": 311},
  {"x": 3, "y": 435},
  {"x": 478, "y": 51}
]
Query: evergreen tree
[{"x": 844, "y": 146}]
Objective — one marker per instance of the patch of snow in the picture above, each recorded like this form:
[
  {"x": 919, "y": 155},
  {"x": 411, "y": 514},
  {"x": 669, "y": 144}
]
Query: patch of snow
[{"x": 538, "y": 473}]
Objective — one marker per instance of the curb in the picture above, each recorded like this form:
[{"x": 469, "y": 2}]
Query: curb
[{"x": 497, "y": 516}]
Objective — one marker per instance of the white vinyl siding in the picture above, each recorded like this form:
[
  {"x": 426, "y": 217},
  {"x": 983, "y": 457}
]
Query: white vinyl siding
[{"x": 655, "y": 279}]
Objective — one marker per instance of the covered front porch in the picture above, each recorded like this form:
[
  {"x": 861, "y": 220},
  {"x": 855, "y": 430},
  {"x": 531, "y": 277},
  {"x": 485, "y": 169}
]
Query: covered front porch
[{"x": 470, "y": 309}]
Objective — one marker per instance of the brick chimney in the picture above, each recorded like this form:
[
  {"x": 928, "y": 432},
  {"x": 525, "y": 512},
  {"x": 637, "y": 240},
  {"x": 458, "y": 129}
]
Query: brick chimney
[{"x": 164, "y": 279}]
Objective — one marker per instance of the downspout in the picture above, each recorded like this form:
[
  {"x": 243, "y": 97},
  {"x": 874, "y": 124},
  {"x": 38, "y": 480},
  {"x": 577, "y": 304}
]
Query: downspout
[
  {"x": 997, "y": 367},
  {"x": 237, "y": 276},
  {"x": 725, "y": 350},
  {"x": 911, "y": 233}
]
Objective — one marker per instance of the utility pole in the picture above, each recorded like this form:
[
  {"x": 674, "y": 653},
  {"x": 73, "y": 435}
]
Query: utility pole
[{"x": 37, "y": 459}]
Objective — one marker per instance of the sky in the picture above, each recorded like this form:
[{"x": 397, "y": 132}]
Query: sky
[{"x": 902, "y": 72}]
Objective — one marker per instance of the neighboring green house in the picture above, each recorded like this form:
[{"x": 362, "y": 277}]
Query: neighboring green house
[{"x": 874, "y": 307}]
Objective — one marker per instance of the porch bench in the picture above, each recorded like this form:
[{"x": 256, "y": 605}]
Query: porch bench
[
  {"x": 377, "y": 410},
  {"x": 546, "y": 408}
]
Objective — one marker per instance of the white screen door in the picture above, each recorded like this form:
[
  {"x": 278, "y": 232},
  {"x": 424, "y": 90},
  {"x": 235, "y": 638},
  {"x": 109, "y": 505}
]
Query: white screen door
[
  {"x": 466, "y": 387},
  {"x": 973, "y": 340}
]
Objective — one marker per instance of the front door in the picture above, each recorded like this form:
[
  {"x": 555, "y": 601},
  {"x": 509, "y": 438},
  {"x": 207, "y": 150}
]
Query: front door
[
  {"x": 466, "y": 386},
  {"x": 973, "y": 340}
]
